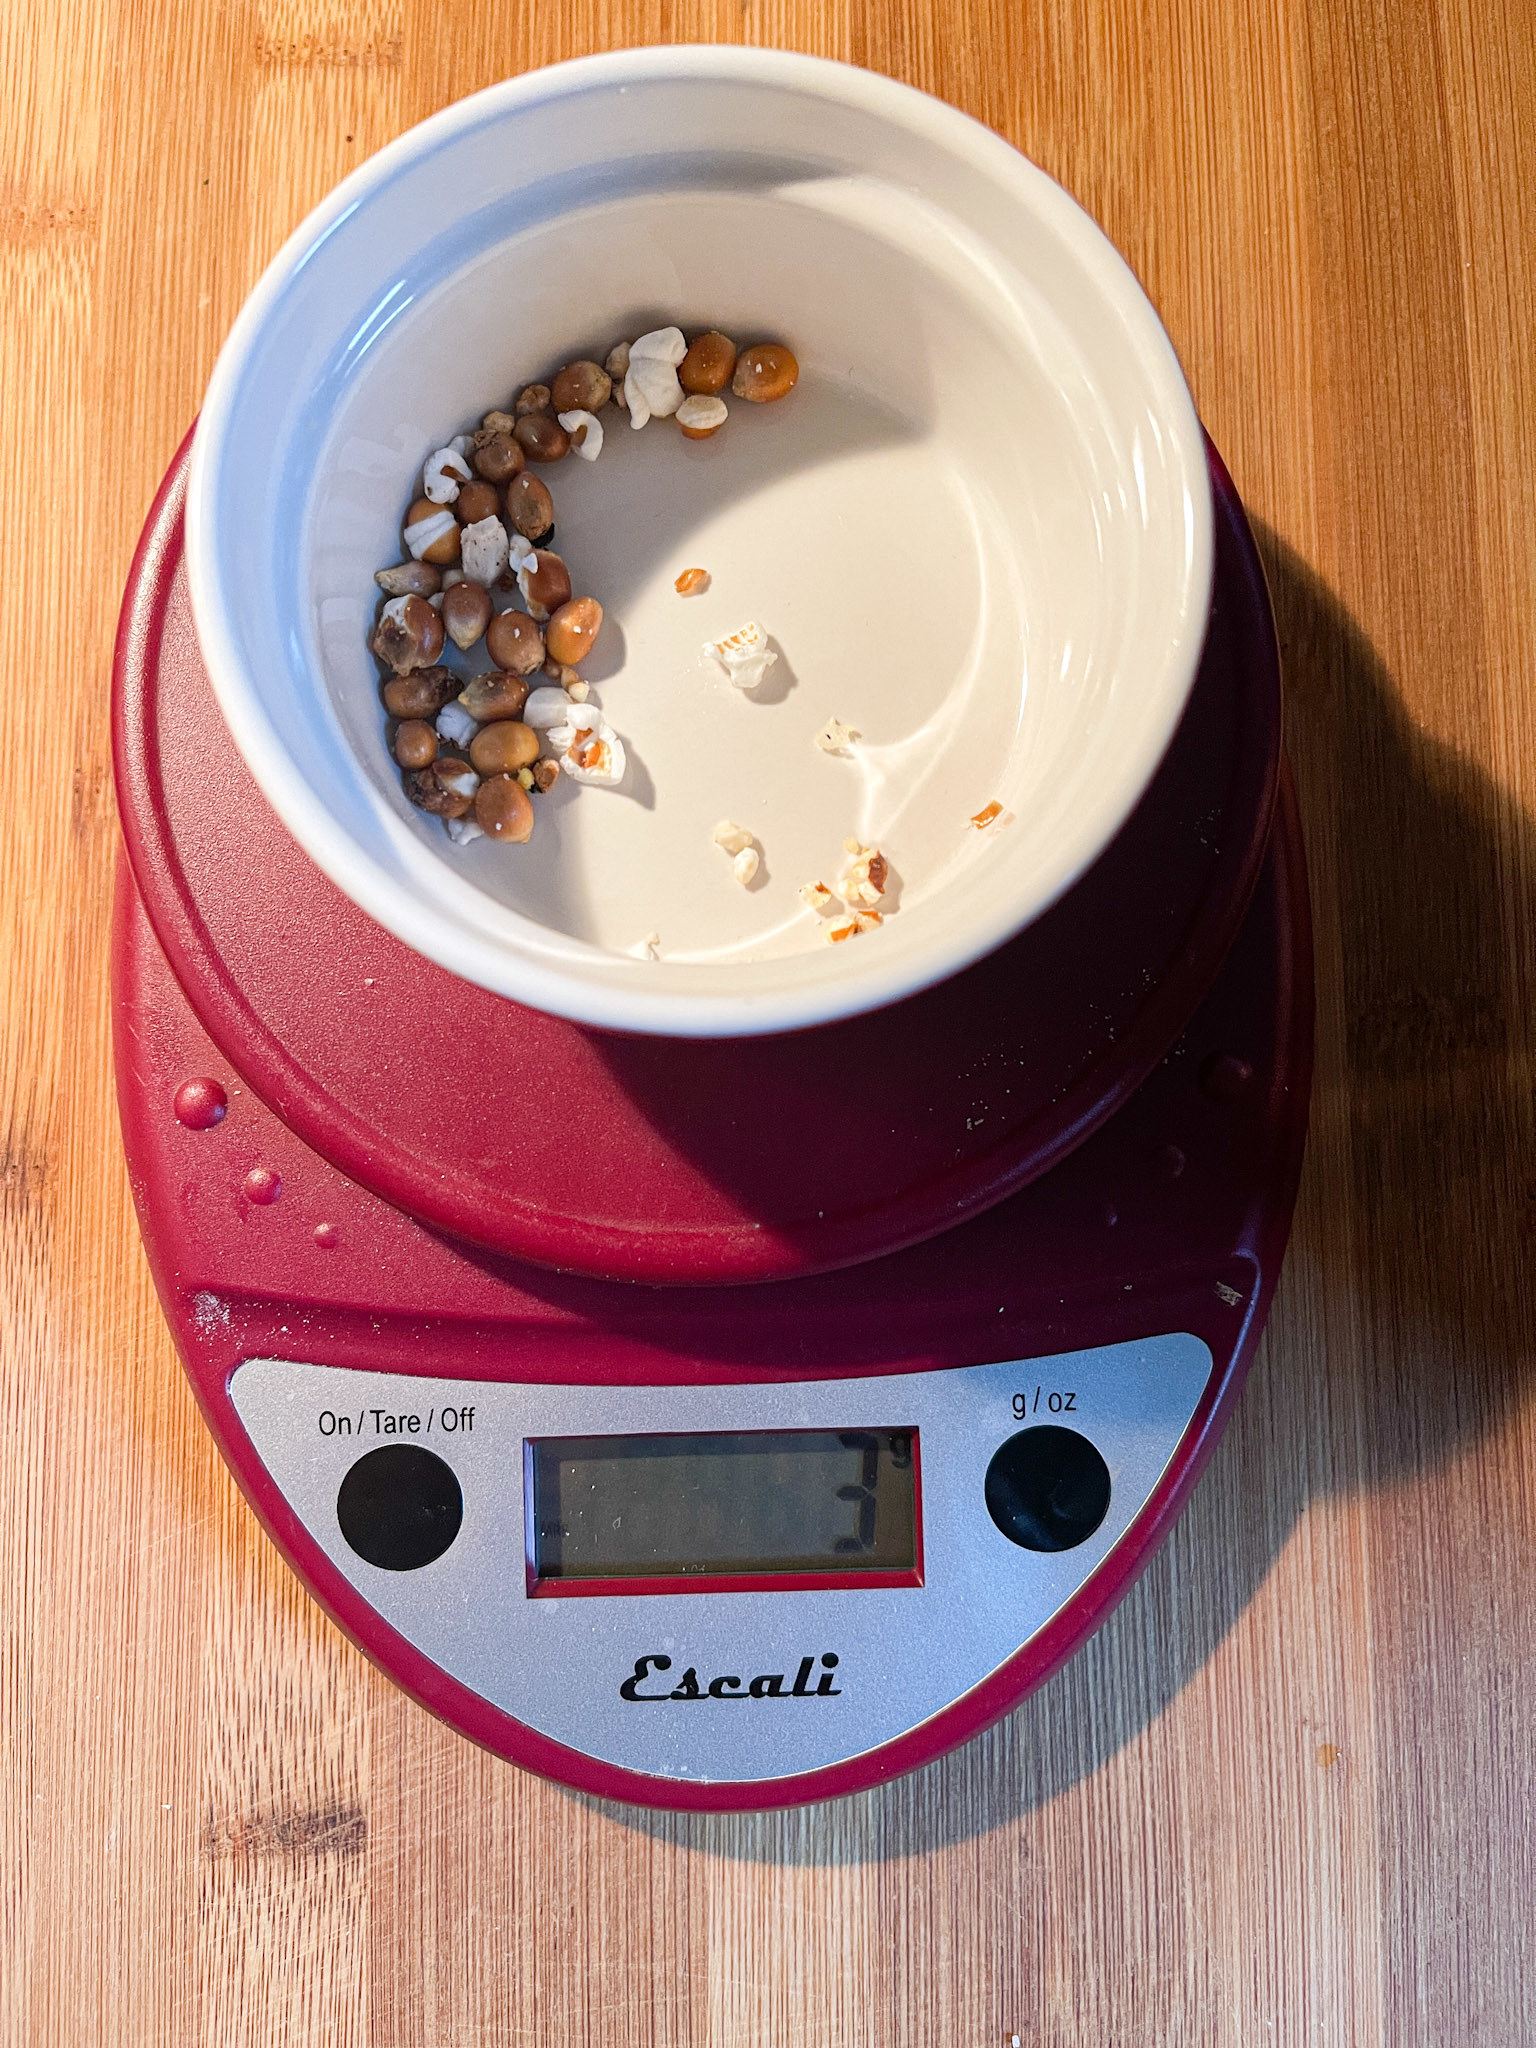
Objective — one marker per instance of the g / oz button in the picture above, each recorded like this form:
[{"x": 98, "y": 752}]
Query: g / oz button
[
  {"x": 400, "y": 1507},
  {"x": 1047, "y": 1488}
]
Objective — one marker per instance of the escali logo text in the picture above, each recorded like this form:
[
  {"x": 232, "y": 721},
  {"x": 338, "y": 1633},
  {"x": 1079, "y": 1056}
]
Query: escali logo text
[{"x": 768, "y": 1685}]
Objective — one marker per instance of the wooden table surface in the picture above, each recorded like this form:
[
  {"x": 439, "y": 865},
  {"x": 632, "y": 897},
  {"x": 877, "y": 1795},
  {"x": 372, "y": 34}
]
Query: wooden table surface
[{"x": 1287, "y": 1794}]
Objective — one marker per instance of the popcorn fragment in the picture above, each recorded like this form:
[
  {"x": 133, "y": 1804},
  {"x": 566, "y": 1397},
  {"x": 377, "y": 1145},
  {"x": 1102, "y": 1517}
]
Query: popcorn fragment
[
  {"x": 818, "y": 897},
  {"x": 990, "y": 815},
  {"x": 455, "y": 725},
  {"x": 731, "y": 837},
  {"x": 661, "y": 345},
  {"x": 462, "y": 830},
  {"x": 426, "y": 533},
  {"x": 745, "y": 865},
  {"x": 654, "y": 381},
  {"x": 585, "y": 430},
  {"x": 483, "y": 550},
  {"x": 547, "y": 707},
  {"x": 849, "y": 928},
  {"x": 745, "y": 655},
  {"x": 835, "y": 737},
  {"x": 587, "y": 747},
  {"x": 442, "y": 475},
  {"x": 863, "y": 881},
  {"x": 648, "y": 948}
]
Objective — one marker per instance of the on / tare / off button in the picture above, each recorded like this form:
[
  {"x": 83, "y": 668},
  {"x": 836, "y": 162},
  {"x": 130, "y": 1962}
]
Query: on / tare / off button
[
  {"x": 400, "y": 1507},
  {"x": 1047, "y": 1488}
]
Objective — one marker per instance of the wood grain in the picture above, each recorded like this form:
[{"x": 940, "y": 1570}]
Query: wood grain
[{"x": 1287, "y": 1794}]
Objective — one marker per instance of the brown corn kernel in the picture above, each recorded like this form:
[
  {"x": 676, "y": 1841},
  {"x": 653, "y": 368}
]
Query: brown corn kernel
[
  {"x": 441, "y": 551},
  {"x": 765, "y": 372},
  {"x": 409, "y": 579},
  {"x": 428, "y": 790},
  {"x": 542, "y": 438},
  {"x": 476, "y": 501},
  {"x": 466, "y": 613},
  {"x": 496, "y": 456},
  {"x": 494, "y": 695},
  {"x": 691, "y": 582},
  {"x": 706, "y": 369},
  {"x": 415, "y": 743},
  {"x": 503, "y": 809},
  {"x": 409, "y": 635},
  {"x": 573, "y": 629},
  {"x": 513, "y": 640},
  {"x": 422, "y": 694},
  {"x": 504, "y": 747},
  {"x": 581, "y": 387},
  {"x": 531, "y": 399},
  {"x": 545, "y": 775},
  {"x": 530, "y": 507},
  {"x": 546, "y": 585}
]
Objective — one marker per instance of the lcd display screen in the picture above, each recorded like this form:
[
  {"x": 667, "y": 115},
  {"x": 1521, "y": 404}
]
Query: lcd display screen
[{"x": 723, "y": 1505}]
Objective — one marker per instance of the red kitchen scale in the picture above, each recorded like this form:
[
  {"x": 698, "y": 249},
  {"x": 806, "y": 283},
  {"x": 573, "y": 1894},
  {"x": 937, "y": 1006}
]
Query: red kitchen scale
[{"x": 726, "y": 1424}]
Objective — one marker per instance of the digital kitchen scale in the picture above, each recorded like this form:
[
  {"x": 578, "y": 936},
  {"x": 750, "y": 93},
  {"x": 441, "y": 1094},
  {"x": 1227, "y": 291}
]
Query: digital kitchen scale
[{"x": 729, "y": 1424}]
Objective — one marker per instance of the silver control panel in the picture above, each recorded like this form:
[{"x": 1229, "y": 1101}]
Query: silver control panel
[{"x": 1028, "y": 1474}]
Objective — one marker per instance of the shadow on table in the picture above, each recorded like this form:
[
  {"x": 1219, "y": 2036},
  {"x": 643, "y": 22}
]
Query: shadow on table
[{"x": 1408, "y": 1286}]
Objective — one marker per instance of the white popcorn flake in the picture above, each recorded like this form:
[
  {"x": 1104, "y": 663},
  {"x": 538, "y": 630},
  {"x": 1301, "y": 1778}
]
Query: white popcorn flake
[
  {"x": 634, "y": 400},
  {"x": 443, "y": 474},
  {"x": 586, "y": 432},
  {"x": 656, "y": 383},
  {"x": 835, "y": 737},
  {"x": 849, "y": 928},
  {"x": 547, "y": 706},
  {"x": 587, "y": 747},
  {"x": 661, "y": 345},
  {"x": 454, "y": 724},
  {"x": 483, "y": 550},
  {"x": 731, "y": 837},
  {"x": 462, "y": 830},
  {"x": 745, "y": 655},
  {"x": 427, "y": 532},
  {"x": 744, "y": 866},
  {"x": 461, "y": 444},
  {"x": 818, "y": 897},
  {"x": 648, "y": 948},
  {"x": 520, "y": 552}
]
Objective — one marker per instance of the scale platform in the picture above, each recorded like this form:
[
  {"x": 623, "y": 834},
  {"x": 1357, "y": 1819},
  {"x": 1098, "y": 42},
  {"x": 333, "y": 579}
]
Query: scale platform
[{"x": 782, "y": 1421}]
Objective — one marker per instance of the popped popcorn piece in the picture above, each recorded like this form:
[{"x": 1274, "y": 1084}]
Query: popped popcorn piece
[
  {"x": 835, "y": 737},
  {"x": 661, "y": 345},
  {"x": 818, "y": 897},
  {"x": 984, "y": 818},
  {"x": 744, "y": 866},
  {"x": 442, "y": 475},
  {"x": 587, "y": 747},
  {"x": 547, "y": 706},
  {"x": 585, "y": 430},
  {"x": 426, "y": 533},
  {"x": 462, "y": 830},
  {"x": 520, "y": 553},
  {"x": 730, "y": 836},
  {"x": 455, "y": 725},
  {"x": 483, "y": 550},
  {"x": 863, "y": 881},
  {"x": 745, "y": 655},
  {"x": 849, "y": 928},
  {"x": 655, "y": 381}
]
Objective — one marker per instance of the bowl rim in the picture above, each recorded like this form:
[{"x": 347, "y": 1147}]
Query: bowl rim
[{"x": 628, "y": 1004}]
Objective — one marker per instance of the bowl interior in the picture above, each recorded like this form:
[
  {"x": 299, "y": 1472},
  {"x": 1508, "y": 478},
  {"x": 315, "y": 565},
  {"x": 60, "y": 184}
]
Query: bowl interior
[{"x": 978, "y": 531}]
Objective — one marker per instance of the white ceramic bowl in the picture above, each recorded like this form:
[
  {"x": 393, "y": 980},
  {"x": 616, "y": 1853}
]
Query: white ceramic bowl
[{"x": 979, "y": 531}]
